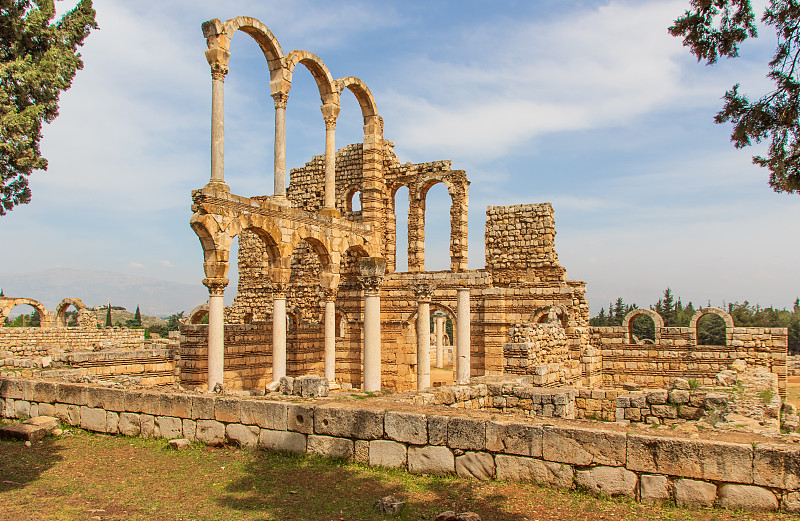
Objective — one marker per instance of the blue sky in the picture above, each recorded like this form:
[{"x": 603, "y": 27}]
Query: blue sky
[{"x": 590, "y": 105}]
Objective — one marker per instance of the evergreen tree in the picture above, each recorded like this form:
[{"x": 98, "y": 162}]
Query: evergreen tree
[
  {"x": 668, "y": 308},
  {"x": 715, "y": 28},
  {"x": 137, "y": 318},
  {"x": 619, "y": 311},
  {"x": 108, "y": 316},
  {"x": 38, "y": 60}
]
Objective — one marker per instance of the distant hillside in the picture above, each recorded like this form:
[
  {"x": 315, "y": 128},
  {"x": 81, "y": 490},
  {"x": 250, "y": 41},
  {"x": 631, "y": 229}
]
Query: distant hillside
[{"x": 154, "y": 297}]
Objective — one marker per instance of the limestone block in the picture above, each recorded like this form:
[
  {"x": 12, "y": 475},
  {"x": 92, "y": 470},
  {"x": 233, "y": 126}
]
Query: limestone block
[
  {"x": 242, "y": 435},
  {"x": 23, "y": 431},
  {"x": 210, "y": 432},
  {"x": 177, "y": 405},
  {"x": 514, "y": 438},
  {"x": 430, "y": 460},
  {"x": 202, "y": 408},
  {"x": 516, "y": 468},
  {"x": 8, "y": 408},
  {"x": 711, "y": 460},
  {"x": 361, "y": 451},
  {"x": 362, "y": 424},
  {"x": 583, "y": 446},
  {"x": 169, "y": 427},
  {"x": 22, "y": 409},
  {"x": 664, "y": 411},
  {"x": 477, "y": 465},
  {"x": 189, "y": 429},
  {"x": 150, "y": 403},
  {"x": 330, "y": 447},
  {"x": 437, "y": 430},
  {"x": 653, "y": 488},
  {"x": 147, "y": 424},
  {"x": 776, "y": 465},
  {"x": 44, "y": 392},
  {"x": 129, "y": 424},
  {"x": 300, "y": 418},
  {"x": 267, "y": 415},
  {"x": 311, "y": 386},
  {"x": 11, "y": 388},
  {"x": 406, "y": 427},
  {"x": 93, "y": 419},
  {"x": 791, "y": 502},
  {"x": 657, "y": 397},
  {"x": 678, "y": 396},
  {"x": 282, "y": 441},
  {"x": 466, "y": 433},
  {"x": 384, "y": 453},
  {"x": 45, "y": 409},
  {"x": 689, "y": 492},
  {"x": 747, "y": 497},
  {"x": 112, "y": 422},
  {"x": 227, "y": 410},
  {"x": 67, "y": 413},
  {"x": 611, "y": 481}
]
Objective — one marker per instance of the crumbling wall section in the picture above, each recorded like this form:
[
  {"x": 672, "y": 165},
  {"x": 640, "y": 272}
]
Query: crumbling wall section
[{"x": 18, "y": 339}]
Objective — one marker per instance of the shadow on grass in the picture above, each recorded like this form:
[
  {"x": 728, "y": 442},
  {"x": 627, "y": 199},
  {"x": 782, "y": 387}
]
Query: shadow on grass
[
  {"x": 21, "y": 465},
  {"x": 283, "y": 486}
]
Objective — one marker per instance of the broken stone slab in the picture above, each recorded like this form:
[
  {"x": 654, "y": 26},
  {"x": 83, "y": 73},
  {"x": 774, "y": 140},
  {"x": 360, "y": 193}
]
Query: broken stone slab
[
  {"x": 48, "y": 422},
  {"x": 23, "y": 432},
  {"x": 179, "y": 444}
]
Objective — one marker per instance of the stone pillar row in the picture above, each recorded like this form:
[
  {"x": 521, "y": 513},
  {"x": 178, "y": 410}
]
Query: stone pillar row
[
  {"x": 423, "y": 293},
  {"x": 216, "y": 331},
  {"x": 462, "y": 358},
  {"x": 330, "y": 335},
  {"x": 278, "y": 331},
  {"x": 280, "y": 98},
  {"x": 439, "y": 329}
]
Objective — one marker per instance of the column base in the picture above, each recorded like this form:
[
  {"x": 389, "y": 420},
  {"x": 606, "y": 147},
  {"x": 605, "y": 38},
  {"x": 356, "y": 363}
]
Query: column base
[
  {"x": 330, "y": 212},
  {"x": 280, "y": 200},
  {"x": 217, "y": 186}
]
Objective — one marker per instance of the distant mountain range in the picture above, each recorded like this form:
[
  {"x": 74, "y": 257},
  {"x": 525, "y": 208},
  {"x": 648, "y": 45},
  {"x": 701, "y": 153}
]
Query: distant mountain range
[{"x": 153, "y": 296}]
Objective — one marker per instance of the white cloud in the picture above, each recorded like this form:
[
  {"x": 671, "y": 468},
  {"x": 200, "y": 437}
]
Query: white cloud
[
  {"x": 166, "y": 263},
  {"x": 136, "y": 265}
]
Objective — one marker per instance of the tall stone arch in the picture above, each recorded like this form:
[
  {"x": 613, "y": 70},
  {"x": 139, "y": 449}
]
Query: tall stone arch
[
  {"x": 712, "y": 311},
  {"x": 80, "y": 307},
  {"x": 627, "y": 323}
]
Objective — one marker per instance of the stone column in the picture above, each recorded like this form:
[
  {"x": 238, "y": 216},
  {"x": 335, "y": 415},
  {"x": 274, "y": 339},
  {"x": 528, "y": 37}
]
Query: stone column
[
  {"x": 330, "y": 112},
  {"x": 423, "y": 292},
  {"x": 216, "y": 331},
  {"x": 439, "y": 322},
  {"x": 463, "y": 321},
  {"x": 218, "y": 60},
  {"x": 281, "y": 98},
  {"x": 372, "y": 271},
  {"x": 330, "y": 335},
  {"x": 278, "y": 331}
]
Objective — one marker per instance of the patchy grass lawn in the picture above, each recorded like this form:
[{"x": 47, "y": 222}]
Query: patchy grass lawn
[{"x": 91, "y": 476}]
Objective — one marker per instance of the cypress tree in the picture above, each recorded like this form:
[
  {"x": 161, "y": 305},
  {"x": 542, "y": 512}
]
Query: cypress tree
[
  {"x": 108, "y": 315},
  {"x": 137, "y": 318}
]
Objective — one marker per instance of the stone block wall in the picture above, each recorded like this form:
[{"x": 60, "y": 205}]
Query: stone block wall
[
  {"x": 698, "y": 472},
  {"x": 520, "y": 244},
  {"x": 676, "y": 354},
  {"x": 20, "y": 339}
]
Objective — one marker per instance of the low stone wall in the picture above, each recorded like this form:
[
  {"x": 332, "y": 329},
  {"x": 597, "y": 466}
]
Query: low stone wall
[
  {"x": 150, "y": 367},
  {"x": 26, "y": 339},
  {"x": 648, "y": 468},
  {"x": 676, "y": 354},
  {"x": 660, "y": 406}
]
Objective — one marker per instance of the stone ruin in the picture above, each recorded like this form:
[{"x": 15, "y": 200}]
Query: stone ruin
[{"x": 320, "y": 305}]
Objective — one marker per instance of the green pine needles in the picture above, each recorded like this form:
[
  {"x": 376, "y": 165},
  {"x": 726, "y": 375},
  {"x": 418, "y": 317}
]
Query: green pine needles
[
  {"x": 715, "y": 28},
  {"x": 38, "y": 60}
]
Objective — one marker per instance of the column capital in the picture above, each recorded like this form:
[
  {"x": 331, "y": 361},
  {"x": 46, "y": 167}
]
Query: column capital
[
  {"x": 424, "y": 291},
  {"x": 218, "y": 60},
  {"x": 216, "y": 286},
  {"x": 330, "y": 122},
  {"x": 329, "y": 294},
  {"x": 279, "y": 290},
  {"x": 281, "y": 99},
  {"x": 371, "y": 284}
]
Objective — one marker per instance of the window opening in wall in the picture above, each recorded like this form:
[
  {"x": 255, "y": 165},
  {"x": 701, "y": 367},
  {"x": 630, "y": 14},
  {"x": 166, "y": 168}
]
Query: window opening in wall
[
  {"x": 711, "y": 330},
  {"x": 643, "y": 329},
  {"x": 437, "y": 205},
  {"x": 401, "y": 228},
  {"x": 354, "y": 202}
]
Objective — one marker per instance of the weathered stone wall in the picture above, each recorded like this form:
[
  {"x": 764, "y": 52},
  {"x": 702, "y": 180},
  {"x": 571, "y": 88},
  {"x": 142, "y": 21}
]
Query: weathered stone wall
[
  {"x": 676, "y": 354},
  {"x": 645, "y": 467},
  {"x": 520, "y": 244},
  {"x": 16, "y": 339},
  {"x": 147, "y": 367}
]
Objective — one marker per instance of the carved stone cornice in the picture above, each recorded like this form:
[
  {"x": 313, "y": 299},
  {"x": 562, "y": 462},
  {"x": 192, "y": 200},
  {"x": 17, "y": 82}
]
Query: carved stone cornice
[
  {"x": 371, "y": 284},
  {"x": 216, "y": 287},
  {"x": 424, "y": 291},
  {"x": 280, "y": 99}
]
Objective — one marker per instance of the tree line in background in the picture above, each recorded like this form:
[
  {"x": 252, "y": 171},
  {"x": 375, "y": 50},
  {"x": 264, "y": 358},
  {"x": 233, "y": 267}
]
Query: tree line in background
[{"x": 710, "y": 328}]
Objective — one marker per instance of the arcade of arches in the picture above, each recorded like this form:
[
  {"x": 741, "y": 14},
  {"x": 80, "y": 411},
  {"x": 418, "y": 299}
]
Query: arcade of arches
[{"x": 318, "y": 292}]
